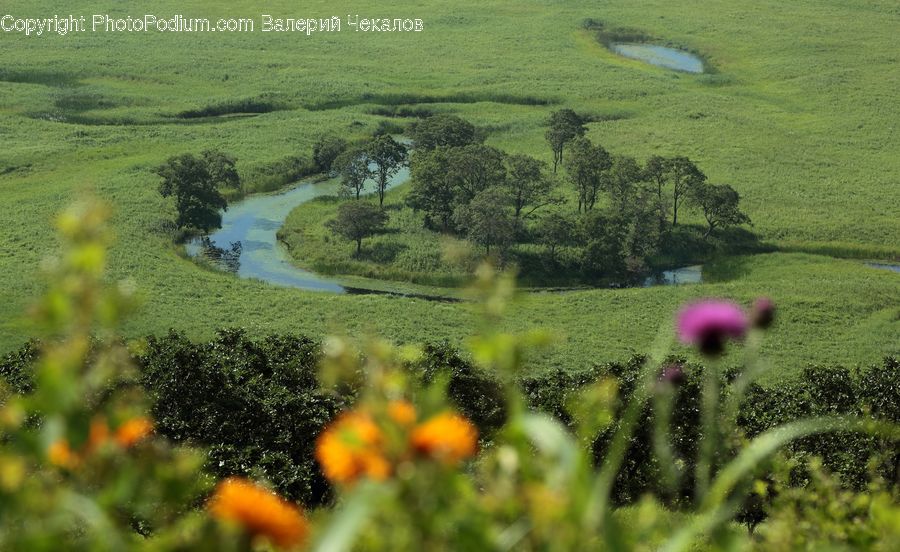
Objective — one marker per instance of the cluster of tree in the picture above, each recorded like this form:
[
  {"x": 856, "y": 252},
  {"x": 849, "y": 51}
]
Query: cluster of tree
[
  {"x": 374, "y": 162},
  {"x": 465, "y": 187},
  {"x": 471, "y": 189},
  {"x": 674, "y": 180},
  {"x": 195, "y": 184}
]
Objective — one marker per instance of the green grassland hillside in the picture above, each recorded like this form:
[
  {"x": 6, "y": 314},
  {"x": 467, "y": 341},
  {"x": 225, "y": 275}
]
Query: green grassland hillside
[{"x": 797, "y": 112}]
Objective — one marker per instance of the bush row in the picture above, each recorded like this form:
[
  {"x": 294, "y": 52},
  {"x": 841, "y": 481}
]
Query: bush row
[{"x": 257, "y": 407}]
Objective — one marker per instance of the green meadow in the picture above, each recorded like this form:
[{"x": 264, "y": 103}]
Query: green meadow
[{"x": 797, "y": 112}]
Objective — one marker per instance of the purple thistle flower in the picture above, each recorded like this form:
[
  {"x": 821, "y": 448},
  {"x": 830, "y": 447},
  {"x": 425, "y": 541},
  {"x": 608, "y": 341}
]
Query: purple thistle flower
[
  {"x": 709, "y": 323},
  {"x": 763, "y": 313}
]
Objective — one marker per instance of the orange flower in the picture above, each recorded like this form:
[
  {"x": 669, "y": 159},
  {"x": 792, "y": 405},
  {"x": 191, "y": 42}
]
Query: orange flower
[
  {"x": 98, "y": 434},
  {"x": 60, "y": 454},
  {"x": 447, "y": 436},
  {"x": 402, "y": 412},
  {"x": 259, "y": 511},
  {"x": 351, "y": 448},
  {"x": 133, "y": 431}
]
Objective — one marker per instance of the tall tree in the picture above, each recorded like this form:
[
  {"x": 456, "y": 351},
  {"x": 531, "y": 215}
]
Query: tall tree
[
  {"x": 357, "y": 220},
  {"x": 222, "y": 169},
  {"x": 556, "y": 230},
  {"x": 603, "y": 237},
  {"x": 565, "y": 126},
  {"x": 720, "y": 204},
  {"x": 353, "y": 167},
  {"x": 622, "y": 182},
  {"x": 585, "y": 166},
  {"x": 474, "y": 168},
  {"x": 529, "y": 187},
  {"x": 448, "y": 177},
  {"x": 326, "y": 150},
  {"x": 387, "y": 157},
  {"x": 487, "y": 219},
  {"x": 443, "y": 130},
  {"x": 193, "y": 182},
  {"x": 685, "y": 176},
  {"x": 656, "y": 171},
  {"x": 641, "y": 237},
  {"x": 431, "y": 190}
]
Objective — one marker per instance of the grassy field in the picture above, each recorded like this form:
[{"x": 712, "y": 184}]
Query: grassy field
[{"x": 799, "y": 115}]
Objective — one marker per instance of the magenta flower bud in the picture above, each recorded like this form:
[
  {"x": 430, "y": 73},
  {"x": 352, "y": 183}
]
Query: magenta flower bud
[
  {"x": 709, "y": 324},
  {"x": 763, "y": 313},
  {"x": 672, "y": 373}
]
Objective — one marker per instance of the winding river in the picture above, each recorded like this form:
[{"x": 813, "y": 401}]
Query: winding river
[{"x": 255, "y": 221}]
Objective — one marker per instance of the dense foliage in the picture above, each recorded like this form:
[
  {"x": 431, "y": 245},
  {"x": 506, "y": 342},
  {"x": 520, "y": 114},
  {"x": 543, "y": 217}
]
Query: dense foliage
[
  {"x": 254, "y": 405},
  {"x": 194, "y": 182},
  {"x": 510, "y": 207},
  {"x": 215, "y": 393}
]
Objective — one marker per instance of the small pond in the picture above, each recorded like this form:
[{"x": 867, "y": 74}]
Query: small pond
[{"x": 661, "y": 56}]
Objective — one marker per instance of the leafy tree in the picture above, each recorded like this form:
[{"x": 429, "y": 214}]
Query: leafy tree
[
  {"x": 447, "y": 178},
  {"x": 603, "y": 253},
  {"x": 475, "y": 168},
  {"x": 529, "y": 186},
  {"x": 222, "y": 169},
  {"x": 326, "y": 150},
  {"x": 641, "y": 232},
  {"x": 388, "y": 156},
  {"x": 443, "y": 130},
  {"x": 720, "y": 205},
  {"x": 684, "y": 176},
  {"x": 656, "y": 172},
  {"x": 585, "y": 166},
  {"x": 487, "y": 220},
  {"x": 622, "y": 182},
  {"x": 357, "y": 220},
  {"x": 565, "y": 126},
  {"x": 431, "y": 189},
  {"x": 353, "y": 167},
  {"x": 194, "y": 181},
  {"x": 556, "y": 230}
]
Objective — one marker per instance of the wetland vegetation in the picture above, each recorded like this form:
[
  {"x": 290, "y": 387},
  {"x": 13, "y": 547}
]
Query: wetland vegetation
[{"x": 252, "y": 196}]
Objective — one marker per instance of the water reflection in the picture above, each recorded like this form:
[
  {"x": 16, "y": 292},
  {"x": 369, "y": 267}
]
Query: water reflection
[{"x": 661, "y": 56}]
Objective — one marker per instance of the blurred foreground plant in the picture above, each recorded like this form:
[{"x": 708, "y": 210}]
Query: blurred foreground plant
[
  {"x": 537, "y": 487},
  {"x": 80, "y": 466}
]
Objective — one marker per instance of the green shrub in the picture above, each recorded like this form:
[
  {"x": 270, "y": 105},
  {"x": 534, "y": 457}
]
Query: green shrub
[
  {"x": 16, "y": 367},
  {"x": 247, "y": 105},
  {"x": 255, "y": 405},
  {"x": 476, "y": 394},
  {"x": 278, "y": 174},
  {"x": 215, "y": 394}
]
